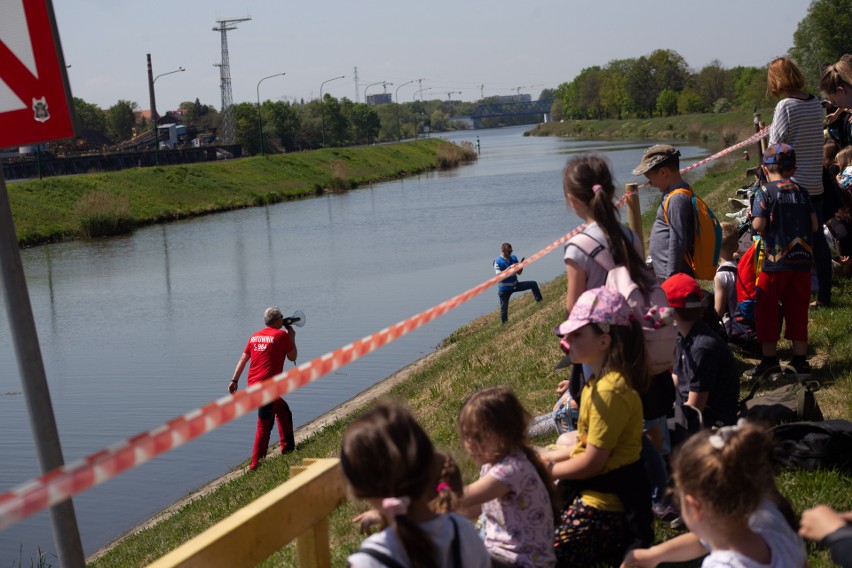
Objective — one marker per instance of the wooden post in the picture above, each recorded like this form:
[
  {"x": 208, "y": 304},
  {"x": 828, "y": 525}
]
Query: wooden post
[
  {"x": 634, "y": 213},
  {"x": 761, "y": 145},
  {"x": 312, "y": 549}
]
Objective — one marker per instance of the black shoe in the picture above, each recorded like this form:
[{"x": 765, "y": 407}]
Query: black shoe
[
  {"x": 803, "y": 369},
  {"x": 764, "y": 368}
]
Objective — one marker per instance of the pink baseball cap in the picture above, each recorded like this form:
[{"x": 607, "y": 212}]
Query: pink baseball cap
[{"x": 598, "y": 305}]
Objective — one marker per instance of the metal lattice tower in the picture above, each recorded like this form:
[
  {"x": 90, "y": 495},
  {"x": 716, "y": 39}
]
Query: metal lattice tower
[{"x": 229, "y": 134}]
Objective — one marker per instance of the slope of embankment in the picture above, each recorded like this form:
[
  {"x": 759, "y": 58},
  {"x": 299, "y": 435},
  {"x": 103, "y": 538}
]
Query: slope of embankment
[
  {"x": 58, "y": 208},
  {"x": 521, "y": 354}
]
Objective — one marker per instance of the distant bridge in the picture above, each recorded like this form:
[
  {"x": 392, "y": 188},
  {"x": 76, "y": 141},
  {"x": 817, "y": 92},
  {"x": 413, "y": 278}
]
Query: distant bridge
[{"x": 515, "y": 108}]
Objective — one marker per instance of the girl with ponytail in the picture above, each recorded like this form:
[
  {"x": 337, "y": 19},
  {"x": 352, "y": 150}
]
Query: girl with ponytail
[
  {"x": 389, "y": 461},
  {"x": 729, "y": 501}
]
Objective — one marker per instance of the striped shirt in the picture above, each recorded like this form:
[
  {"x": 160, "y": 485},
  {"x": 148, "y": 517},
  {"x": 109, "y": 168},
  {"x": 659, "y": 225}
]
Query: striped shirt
[{"x": 798, "y": 122}]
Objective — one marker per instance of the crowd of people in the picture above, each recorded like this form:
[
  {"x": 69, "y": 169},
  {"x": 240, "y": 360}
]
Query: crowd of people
[{"x": 646, "y": 346}]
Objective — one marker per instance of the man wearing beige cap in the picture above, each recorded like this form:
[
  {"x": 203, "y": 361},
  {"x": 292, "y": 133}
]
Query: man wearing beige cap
[
  {"x": 266, "y": 349},
  {"x": 673, "y": 233}
]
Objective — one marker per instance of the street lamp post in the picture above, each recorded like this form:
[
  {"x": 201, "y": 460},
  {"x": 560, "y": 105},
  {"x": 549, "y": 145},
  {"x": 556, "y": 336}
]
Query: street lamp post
[
  {"x": 396, "y": 96},
  {"x": 322, "y": 105},
  {"x": 259, "y": 115},
  {"x": 154, "y": 110},
  {"x": 385, "y": 83}
]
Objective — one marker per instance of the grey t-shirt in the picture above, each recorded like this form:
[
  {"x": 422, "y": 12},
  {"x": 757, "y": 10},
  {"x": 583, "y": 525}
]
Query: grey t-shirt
[{"x": 670, "y": 241}]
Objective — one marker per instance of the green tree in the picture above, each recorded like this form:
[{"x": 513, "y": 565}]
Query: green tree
[
  {"x": 613, "y": 92},
  {"x": 641, "y": 88},
  {"x": 689, "y": 102},
  {"x": 749, "y": 86},
  {"x": 669, "y": 69},
  {"x": 667, "y": 102},
  {"x": 91, "y": 119},
  {"x": 712, "y": 83},
  {"x": 823, "y": 35},
  {"x": 246, "y": 123},
  {"x": 280, "y": 124},
  {"x": 120, "y": 120}
]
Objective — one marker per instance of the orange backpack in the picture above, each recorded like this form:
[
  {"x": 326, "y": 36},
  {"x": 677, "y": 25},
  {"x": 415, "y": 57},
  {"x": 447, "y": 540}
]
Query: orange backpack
[{"x": 707, "y": 243}]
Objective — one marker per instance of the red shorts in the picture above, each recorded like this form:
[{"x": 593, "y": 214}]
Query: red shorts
[{"x": 793, "y": 290}]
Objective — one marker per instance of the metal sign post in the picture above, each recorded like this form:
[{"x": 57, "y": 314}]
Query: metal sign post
[{"x": 35, "y": 108}]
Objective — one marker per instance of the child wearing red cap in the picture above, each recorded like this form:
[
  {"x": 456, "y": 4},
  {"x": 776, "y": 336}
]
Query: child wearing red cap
[
  {"x": 784, "y": 216},
  {"x": 705, "y": 372}
]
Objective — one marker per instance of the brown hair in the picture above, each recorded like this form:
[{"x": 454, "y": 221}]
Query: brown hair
[
  {"x": 836, "y": 75},
  {"x": 844, "y": 158},
  {"x": 496, "y": 414},
  {"x": 830, "y": 149},
  {"x": 385, "y": 453},
  {"x": 580, "y": 176},
  {"x": 627, "y": 355},
  {"x": 730, "y": 237},
  {"x": 783, "y": 75},
  {"x": 733, "y": 480},
  {"x": 449, "y": 485}
]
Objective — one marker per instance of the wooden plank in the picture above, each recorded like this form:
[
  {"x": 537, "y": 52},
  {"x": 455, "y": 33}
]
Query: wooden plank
[
  {"x": 265, "y": 525},
  {"x": 312, "y": 549}
]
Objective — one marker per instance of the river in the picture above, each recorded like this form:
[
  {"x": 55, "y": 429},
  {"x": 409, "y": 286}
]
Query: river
[{"x": 139, "y": 329}]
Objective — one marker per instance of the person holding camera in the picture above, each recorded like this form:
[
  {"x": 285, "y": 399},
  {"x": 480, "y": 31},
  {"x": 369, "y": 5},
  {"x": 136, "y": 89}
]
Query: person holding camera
[{"x": 267, "y": 349}]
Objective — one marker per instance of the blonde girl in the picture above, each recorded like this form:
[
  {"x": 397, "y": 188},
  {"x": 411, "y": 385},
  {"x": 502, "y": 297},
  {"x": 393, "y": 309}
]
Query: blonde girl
[
  {"x": 514, "y": 490},
  {"x": 728, "y": 499},
  {"x": 603, "y": 471},
  {"x": 388, "y": 461}
]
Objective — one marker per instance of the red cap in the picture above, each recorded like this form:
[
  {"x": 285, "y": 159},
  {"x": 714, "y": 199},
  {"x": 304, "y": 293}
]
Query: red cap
[{"x": 683, "y": 291}]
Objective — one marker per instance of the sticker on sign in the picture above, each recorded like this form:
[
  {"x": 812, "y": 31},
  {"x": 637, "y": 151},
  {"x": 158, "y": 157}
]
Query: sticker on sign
[{"x": 34, "y": 100}]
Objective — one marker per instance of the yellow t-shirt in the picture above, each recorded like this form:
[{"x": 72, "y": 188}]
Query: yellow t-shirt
[{"x": 610, "y": 418}]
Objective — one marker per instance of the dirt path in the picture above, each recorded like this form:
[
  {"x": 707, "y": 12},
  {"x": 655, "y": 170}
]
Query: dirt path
[{"x": 306, "y": 431}]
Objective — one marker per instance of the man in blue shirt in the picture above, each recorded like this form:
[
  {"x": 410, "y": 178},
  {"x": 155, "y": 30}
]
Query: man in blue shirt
[{"x": 510, "y": 285}]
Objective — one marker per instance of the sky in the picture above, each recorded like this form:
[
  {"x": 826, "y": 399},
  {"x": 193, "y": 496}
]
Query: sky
[{"x": 463, "y": 47}]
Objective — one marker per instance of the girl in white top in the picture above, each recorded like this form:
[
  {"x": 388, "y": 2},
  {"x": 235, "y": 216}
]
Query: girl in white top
[
  {"x": 389, "y": 461},
  {"x": 724, "y": 482}
]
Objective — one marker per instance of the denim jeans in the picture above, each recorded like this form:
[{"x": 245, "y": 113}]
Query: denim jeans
[
  {"x": 822, "y": 256},
  {"x": 504, "y": 296}
]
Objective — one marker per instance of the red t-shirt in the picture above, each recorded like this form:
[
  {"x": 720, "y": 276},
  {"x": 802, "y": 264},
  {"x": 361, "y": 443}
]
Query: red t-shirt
[{"x": 266, "y": 349}]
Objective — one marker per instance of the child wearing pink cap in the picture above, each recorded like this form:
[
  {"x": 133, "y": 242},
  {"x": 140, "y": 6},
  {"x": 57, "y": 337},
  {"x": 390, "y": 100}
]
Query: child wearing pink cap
[{"x": 603, "y": 471}]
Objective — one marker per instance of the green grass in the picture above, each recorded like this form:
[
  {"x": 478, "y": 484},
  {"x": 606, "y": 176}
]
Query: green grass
[
  {"x": 521, "y": 354},
  {"x": 727, "y": 127},
  {"x": 59, "y": 208}
]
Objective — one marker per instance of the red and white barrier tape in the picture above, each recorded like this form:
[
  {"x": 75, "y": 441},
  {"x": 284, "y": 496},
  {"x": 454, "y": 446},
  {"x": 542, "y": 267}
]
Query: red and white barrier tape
[{"x": 65, "y": 482}]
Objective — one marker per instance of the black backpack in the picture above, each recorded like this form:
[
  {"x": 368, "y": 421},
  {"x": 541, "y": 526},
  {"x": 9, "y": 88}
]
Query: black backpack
[{"x": 814, "y": 445}]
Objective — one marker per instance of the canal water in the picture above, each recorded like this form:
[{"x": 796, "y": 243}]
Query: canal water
[{"x": 139, "y": 329}]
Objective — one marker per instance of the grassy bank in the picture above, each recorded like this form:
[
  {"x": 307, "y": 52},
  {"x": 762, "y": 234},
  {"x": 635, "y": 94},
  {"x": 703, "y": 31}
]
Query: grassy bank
[
  {"x": 726, "y": 128},
  {"x": 522, "y": 355},
  {"x": 100, "y": 204}
]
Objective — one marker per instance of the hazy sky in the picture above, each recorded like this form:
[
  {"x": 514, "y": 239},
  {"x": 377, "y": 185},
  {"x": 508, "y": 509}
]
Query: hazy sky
[{"x": 455, "y": 45}]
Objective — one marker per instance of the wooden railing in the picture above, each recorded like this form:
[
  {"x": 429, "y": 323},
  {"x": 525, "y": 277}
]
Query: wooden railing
[{"x": 296, "y": 510}]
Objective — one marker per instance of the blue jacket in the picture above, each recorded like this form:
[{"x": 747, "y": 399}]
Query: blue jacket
[{"x": 501, "y": 264}]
